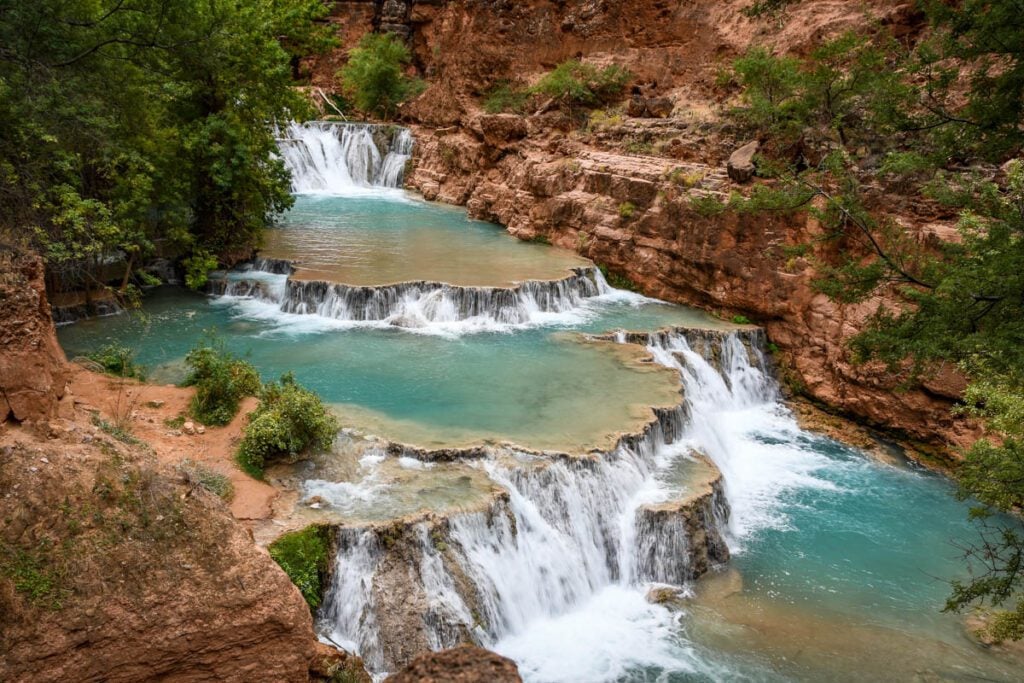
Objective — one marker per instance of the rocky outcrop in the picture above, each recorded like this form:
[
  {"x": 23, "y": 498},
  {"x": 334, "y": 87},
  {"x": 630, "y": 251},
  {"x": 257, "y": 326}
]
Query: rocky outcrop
[
  {"x": 689, "y": 527},
  {"x": 112, "y": 566},
  {"x": 672, "y": 248},
  {"x": 113, "y": 571},
  {"x": 32, "y": 364},
  {"x": 462, "y": 664}
]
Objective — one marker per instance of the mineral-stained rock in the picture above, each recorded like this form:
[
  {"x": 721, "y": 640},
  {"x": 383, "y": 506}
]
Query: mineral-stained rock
[
  {"x": 462, "y": 664},
  {"x": 741, "y": 163}
]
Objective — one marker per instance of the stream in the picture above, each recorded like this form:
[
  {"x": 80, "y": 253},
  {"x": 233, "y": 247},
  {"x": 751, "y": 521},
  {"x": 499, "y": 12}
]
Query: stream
[{"x": 426, "y": 330}]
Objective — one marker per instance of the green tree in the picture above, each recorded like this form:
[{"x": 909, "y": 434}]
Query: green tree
[
  {"x": 130, "y": 123},
  {"x": 959, "y": 303},
  {"x": 374, "y": 77},
  {"x": 983, "y": 39}
]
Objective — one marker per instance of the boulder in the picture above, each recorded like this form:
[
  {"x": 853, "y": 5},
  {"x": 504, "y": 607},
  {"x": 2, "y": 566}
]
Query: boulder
[
  {"x": 499, "y": 130},
  {"x": 641, "y": 107},
  {"x": 462, "y": 664},
  {"x": 741, "y": 166},
  {"x": 659, "y": 107}
]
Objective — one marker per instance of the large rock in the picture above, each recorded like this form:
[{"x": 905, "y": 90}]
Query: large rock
[
  {"x": 499, "y": 130},
  {"x": 132, "y": 575},
  {"x": 462, "y": 664},
  {"x": 641, "y": 107},
  {"x": 32, "y": 364},
  {"x": 741, "y": 163}
]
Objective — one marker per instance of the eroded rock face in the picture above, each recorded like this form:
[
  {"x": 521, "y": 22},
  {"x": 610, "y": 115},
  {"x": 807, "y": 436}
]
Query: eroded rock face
[
  {"x": 462, "y": 664},
  {"x": 133, "y": 575},
  {"x": 111, "y": 567},
  {"x": 731, "y": 263},
  {"x": 32, "y": 364}
]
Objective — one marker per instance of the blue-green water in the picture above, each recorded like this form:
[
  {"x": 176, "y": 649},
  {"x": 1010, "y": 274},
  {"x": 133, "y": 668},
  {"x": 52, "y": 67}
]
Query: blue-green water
[
  {"x": 367, "y": 241},
  {"x": 425, "y": 388},
  {"x": 841, "y": 563}
]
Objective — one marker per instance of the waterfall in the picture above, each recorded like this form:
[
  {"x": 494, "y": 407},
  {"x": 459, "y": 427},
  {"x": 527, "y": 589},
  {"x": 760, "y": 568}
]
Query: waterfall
[
  {"x": 325, "y": 157},
  {"x": 566, "y": 531},
  {"x": 415, "y": 305}
]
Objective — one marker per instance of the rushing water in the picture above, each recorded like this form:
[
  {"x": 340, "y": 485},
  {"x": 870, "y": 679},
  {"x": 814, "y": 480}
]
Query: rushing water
[
  {"x": 839, "y": 562},
  {"x": 330, "y": 158}
]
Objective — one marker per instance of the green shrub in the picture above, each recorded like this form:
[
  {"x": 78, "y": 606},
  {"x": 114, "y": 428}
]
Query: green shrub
[
  {"x": 119, "y": 432},
  {"x": 772, "y": 91},
  {"x": 373, "y": 76},
  {"x": 303, "y": 555},
  {"x": 504, "y": 96},
  {"x": 707, "y": 205},
  {"x": 198, "y": 475},
  {"x": 574, "y": 83},
  {"x": 221, "y": 380},
  {"x": 289, "y": 420},
  {"x": 33, "y": 575},
  {"x": 741, "y": 320},
  {"x": 117, "y": 360},
  {"x": 627, "y": 209}
]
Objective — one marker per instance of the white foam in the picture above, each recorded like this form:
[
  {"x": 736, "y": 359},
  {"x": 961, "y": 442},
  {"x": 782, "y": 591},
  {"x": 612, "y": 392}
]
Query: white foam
[
  {"x": 346, "y": 496},
  {"x": 738, "y": 421},
  {"x": 605, "y": 638},
  {"x": 407, "y": 463}
]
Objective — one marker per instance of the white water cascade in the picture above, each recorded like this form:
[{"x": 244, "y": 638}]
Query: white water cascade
[
  {"x": 326, "y": 157},
  {"x": 426, "y": 306},
  {"x": 554, "y": 573}
]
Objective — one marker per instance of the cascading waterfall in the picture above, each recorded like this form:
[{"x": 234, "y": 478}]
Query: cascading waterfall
[
  {"x": 413, "y": 304},
  {"x": 326, "y": 157},
  {"x": 569, "y": 529},
  {"x": 728, "y": 407}
]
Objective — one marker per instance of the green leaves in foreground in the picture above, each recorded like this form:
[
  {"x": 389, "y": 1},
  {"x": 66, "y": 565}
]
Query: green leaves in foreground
[
  {"x": 127, "y": 125},
  {"x": 303, "y": 555}
]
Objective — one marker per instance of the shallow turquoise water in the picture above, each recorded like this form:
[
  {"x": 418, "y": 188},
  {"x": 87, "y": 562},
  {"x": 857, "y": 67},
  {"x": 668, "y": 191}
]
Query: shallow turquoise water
[
  {"x": 842, "y": 562},
  {"x": 845, "y": 576},
  {"x": 495, "y": 385},
  {"x": 366, "y": 241}
]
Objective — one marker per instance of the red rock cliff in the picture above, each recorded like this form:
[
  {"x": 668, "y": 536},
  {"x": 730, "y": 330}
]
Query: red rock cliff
[{"x": 616, "y": 191}]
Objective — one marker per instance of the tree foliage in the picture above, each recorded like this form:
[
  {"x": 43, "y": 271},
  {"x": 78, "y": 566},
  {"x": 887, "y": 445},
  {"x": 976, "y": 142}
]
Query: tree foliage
[
  {"x": 127, "y": 124},
  {"x": 374, "y": 76},
  {"x": 570, "y": 85},
  {"x": 912, "y": 119}
]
